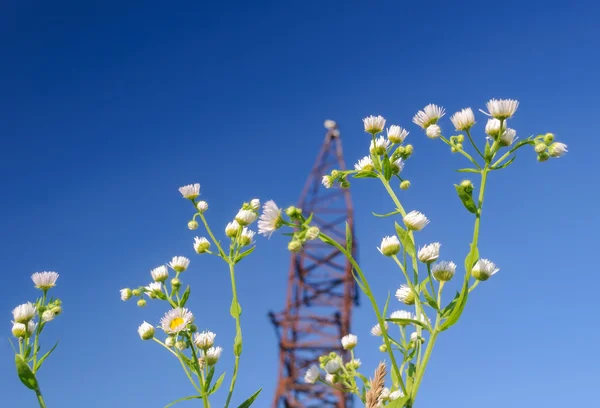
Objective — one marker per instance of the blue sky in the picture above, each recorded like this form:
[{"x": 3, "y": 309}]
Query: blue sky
[{"x": 108, "y": 108}]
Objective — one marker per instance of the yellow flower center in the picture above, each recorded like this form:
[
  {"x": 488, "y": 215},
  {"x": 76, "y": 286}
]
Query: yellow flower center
[{"x": 175, "y": 323}]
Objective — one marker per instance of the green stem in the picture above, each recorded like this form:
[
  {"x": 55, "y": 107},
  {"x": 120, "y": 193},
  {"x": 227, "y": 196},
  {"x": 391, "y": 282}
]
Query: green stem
[
  {"x": 40, "y": 398},
  {"x": 423, "y": 365},
  {"x": 473, "y": 143},
  {"x": 238, "y": 333},
  {"x": 461, "y": 151},
  {"x": 367, "y": 290},
  {"x": 212, "y": 236},
  {"x": 196, "y": 364}
]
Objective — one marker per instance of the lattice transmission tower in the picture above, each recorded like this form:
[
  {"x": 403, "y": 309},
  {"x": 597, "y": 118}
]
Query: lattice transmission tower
[{"x": 321, "y": 290}]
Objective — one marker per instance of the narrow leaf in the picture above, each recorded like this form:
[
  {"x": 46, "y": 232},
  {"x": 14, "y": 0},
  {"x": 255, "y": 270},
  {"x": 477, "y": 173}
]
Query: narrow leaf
[
  {"x": 209, "y": 377},
  {"x": 506, "y": 164},
  {"x": 185, "y": 297},
  {"x": 237, "y": 344},
  {"x": 250, "y": 400},
  {"x": 244, "y": 254},
  {"x": 430, "y": 300},
  {"x": 309, "y": 219},
  {"x": 458, "y": 308},
  {"x": 398, "y": 403},
  {"x": 217, "y": 384},
  {"x": 365, "y": 174},
  {"x": 468, "y": 171},
  {"x": 183, "y": 399},
  {"x": 406, "y": 240},
  {"x": 38, "y": 365},
  {"x": 466, "y": 198},
  {"x": 235, "y": 310},
  {"x": 25, "y": 374},
  {"x": 387, "y": 169},
  {"x": 386, "y": 215}
]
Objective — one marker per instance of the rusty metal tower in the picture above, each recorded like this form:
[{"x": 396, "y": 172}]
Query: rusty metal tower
[{"x": 321, "y": 290}]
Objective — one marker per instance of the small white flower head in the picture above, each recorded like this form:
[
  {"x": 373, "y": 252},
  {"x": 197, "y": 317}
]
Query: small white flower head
[
  {"x": 374, "y": 124},
  {"x": 201, "y": 245},
  {"x": 126, "y": 294},
  {"x": 429, "y": 253},
  {"x": 557, "y": 149},
  {"x": 202, "y": 206},
  {"x": 312, "y": 374},
  {"x": 402, "y": 314},
  {"x": 395, "y": 395},
  {"x": 44, "y": 280},
  {"x": 190, "y": 191},
  {"x": 179, "y": 263},
  {"x": 380, "y": 146},
  {"x": 433, "y": 131},
  {"x": 396, "y": 134},
  {"x": 232, "y": 229},
  {"x": 146, "y": 331},
  {"x": 160, "y": 273},
  {"x": 415, "y": 220},
  {"x": 385, "y": 394},
  {"x": 31, "y": 325},
  {"x": 247, "y": 236},
  {"x": 414, "y": 336},
  {"x": 255, "y": 204},
  {"x": 212, "y": 355},
  {"x": 176, "y": 320},
  {"x": 19, "y": 330},
  {"x": 397, "y": 165},
  {"x": 181, "y": 345},
  {"x": 484, "y": 269},
  {"x": 270, "y": 220},
  {"x": 405, "y": 295},
  {"x": 389, "y": 245},
  {"x": 364, "y": 164},
  {"x": 501, "y": 108},
  {"x": 245, "y": 217},
  {"x": 349, "y": 341},
  {"x": 192, "y": 225},
  {"x": 48, "y": 316},
  {"x": 354, "y": 363},
  {"x": 331, "y": 378},
  {"x": 327, "y": 181},
  {"x": 153, "y": 288},
  {"x": 204, "y": 340},
  {"x": 443, "y": 271},
  {"x": 376, "y": 330},
  {"x": 428, "y": 116},
  {"x": 492, "y": 127},
  {"x": 463, "y": 120},
  {"x": 333, "y": 366},
  {"x": 23, "y": 313},
  {"x": 330, "y": 124},
  {"x": 508, "y": 137},
  {"x": 312, "y": 233},
  {"x": 170, "y": 341}
]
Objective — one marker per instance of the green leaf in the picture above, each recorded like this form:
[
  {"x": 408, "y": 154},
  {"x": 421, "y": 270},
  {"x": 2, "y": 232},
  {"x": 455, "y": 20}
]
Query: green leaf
[
  {"x": 38, "y": 365},
  {"x": 387, "y": 169},
  {"x": 458, "y": 308},
  {"x": 430, "y": 300},
  {"x": 365, "y": 174},
  {"x": 398, "y": 403},
  {"x": 468, "y": 171},
  {"x": 185, "y": 297},
  {"x": 244, "y": 254},
  {"x": 448, "y": 309},
  {"x": 25, "y": 374},
  {"x": 250, "y": 400},
  {"x": 406, "y": 240},
  {"x": 506, "y": 164},
  {"x": 487, "y": 154},
  {"x": 183, "y": 399},
  {"x": 217, "y": 384},
  {"x": 466, "y": 198},
  {"x": 395, "y": 379},
  {"x": 235, "y": 310},
  {"x": 209, "y": 377},
  {"x": 237, "y": 344},
  {"x": 387, "y": 303},
  {"x": 348, "y": 238},
  {"x": 309, "y": 219},
  {"x": 404, "y": 322},
  {"x": 470, "y": 260},
  {"x": 386, "y": 215}
]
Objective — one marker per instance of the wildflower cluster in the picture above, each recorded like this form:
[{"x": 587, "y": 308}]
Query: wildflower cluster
[
  {"x": 196, "y": 350},
  {"x": 409, "y": 348},
  {"x": 29, "y": 320}
]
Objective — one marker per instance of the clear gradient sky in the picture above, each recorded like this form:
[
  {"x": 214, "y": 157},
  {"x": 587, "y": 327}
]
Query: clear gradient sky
[{"x": 108, "y": 107}]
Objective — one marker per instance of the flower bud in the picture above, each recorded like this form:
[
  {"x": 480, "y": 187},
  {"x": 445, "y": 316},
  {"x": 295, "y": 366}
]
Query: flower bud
[
  {"x": 383, "y": 348},
  {"x": 443, "y": 271},
  {"x": 415, "y": 220},
  {"x": 125, "y": 294},
  {"x": 335, "y": 174},
  {"x": 231, "y": 229},
  {"x": 484, "y": 269},
  {"x": 408, "y": 150},
  {"x": 557, "y": 149},
  {"x": 429, "y": 253},
  {"x": 192, "y": 225},
  {"x": 389, "y": 246},
  {"x": 170, "y": 341},
  {"x": 212, "y": 355},
  {"x": 467, "y": 185},
  {"x": 349, "y": 341},
  {"x": 542, "y": 157},
  {"x": 202, "y": 206},
  {"x": 460, "y": 138},
  {"x": 312, "y": 375},
  {"x": 175, "y": 282},
  {"x": 353, "y": 364},
  {"x": 31, "y": 328},
  {"x": 548, "y": 138},
  {"x": 141, "y": 302},
  {"x": 453, "y": 149},
  {"x": 201, "y": 363},
  {"x": 146, "y": 331},
  {"x": 48, "y": 316},
  {"x": 433, "y": 131},
  {"x": 405, "y": 185},
  {"x": 295, "y": 246},
  {"x": 19, "y": 330},
  {"x": 201, "y": 245},
  {"x": 56, "y": 310},
  {"x": 540, "y": 147},
  {"x": 405, "y": 295},
  {"x": 345, "y": 184},
  {"x": 292, "y": 211},
  {"x": 255, "y": 204},
  {"x": 312, "y": 233},
  {"x": 181, "y": 345},
  {"x": 193, "y": 328},
  {"x": 333, "y": 366},
  {"x": 327, "y": 181},
  {"x": 136, "y": 292}
]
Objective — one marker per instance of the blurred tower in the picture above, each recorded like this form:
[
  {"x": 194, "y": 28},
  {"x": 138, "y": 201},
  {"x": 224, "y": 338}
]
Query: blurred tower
[{"x": 321, "y": 290}]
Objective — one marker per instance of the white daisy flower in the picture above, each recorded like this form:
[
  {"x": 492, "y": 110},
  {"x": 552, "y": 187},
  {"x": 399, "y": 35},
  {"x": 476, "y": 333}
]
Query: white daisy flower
[
  {"x": 44, "y": 280},
  {"x": 428, "y": 116},
  {"x": 364, "y": 164},
  {"x": 405, "y": 295},
  {"x": 31, "y": 325},
  {"x": 396, "y": 134},
  {"x": 23, "y": 313},
  {"x": 463, "y": 120},
  {"x": 492, "y": 127},
  {"x": 48, "y": 316},
  {"x": 202, "y": 206},
  {"x": 179, "y": 263},
  {"x": 385, "y": 394},
  {"x": 374, "y": 124},
  {"x": 126, "y": 294},
  {"x": 19, "y": 330},
  {"x": 201, "y": 245},
  {"x": 484, "y": 269},
  {"x": 212, "y": 355},
  {"x": 327, "y": 181},
  {"x": 176, "y": 320},
  {"x": 557, "y": 149},
  {"x": 376, "y": 330},
  {"x": 247, "y": 236},
  {"x": 232, "y": 229},
  {"x": 146, "y": 331},
  {"x": 508, "y": 137},
  {"x": 333, "y": 366},
  {"x": 443, "y": 271},
  {"x": 204, "y": 340},
  {"x": 380, "y": 146},
  {"x": 389, "y": 245},
  {"x": 429, "y": 253},
  {"x": 349, "y": 341},
  {"x": 153, "y": 288},
  {"x": 433, "y": 131},
  {"x": 160, "y": 273},
  {"x": 501, "y": 108},
  {"x": 397, "y": 165},
  {"x": 415, "y": 220},
  {"x": 255, "y": 204},
  {"x": 312, "y": 374},
  {"x": 270, "y": 220},
  {"x": 190, "y": 191},
  {"x": 395, "y": 395},
  {"x": 331, "y": 378},
  {"x": 245, "y": 217}
]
